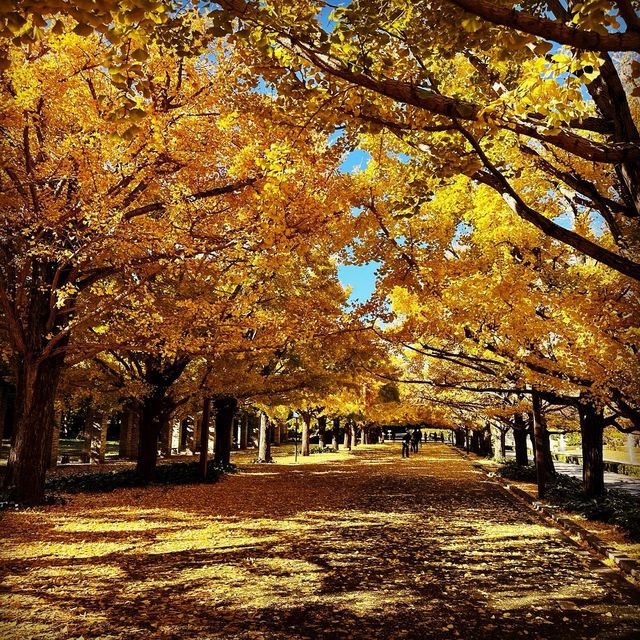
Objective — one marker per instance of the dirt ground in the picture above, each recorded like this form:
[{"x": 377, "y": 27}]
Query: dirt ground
[{"x": 360, "y": 545}]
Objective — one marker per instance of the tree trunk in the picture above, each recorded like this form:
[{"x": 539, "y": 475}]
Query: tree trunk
[
  {"x": 347, "y": 436},
  {"x": 322, "y": 428},
  {"x": 55, "y": 442},
  {"x": 4, "y": 392},
  {"x": 225, "y": 407},
  {"x": 270, "y": 429},
  {"x": 591, "y": 430},
  {"x": 549, "y": 467},
  {"x": 475, "y": 441},
  {"x": 147, "y": 451},
  {"x": 244, "y": 430},
  {"x": 204, "y": 439},
  {"x": 335, "y": 432},
  {"x": 98, "y": 430},
  {"x": 125, "y": 433},
  {"x": 197, "y": 433},
  {"x": 459, "y": 438},
  {"x": 306, "y": 428},
  {"x": 29, "y": 457},
  {"x": 264, "y": 450},
  {"x": 277, "y": 432},
  {"x": 520, "y": 440},
  {"x": 164, "y": 440},
  {"x": 539, "y": 434},
  {"x": 503, "y": 443},
  {"x": 154, "y": 415}
]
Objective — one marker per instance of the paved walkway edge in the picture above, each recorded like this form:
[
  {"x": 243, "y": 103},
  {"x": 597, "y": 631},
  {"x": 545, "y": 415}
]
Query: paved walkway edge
[{"x": 628, "y": 566}]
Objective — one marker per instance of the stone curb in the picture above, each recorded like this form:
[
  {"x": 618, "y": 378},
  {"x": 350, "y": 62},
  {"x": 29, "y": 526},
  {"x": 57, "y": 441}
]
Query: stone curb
[{"x": 628, "y": 566}]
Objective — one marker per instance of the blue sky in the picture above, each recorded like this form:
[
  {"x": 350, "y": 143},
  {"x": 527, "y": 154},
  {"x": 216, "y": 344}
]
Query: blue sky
[{"x": 361, "y": 278}]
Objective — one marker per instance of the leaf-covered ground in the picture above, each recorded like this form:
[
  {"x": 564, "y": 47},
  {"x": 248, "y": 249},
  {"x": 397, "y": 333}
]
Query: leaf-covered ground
[{"x": 361, "y": 545}]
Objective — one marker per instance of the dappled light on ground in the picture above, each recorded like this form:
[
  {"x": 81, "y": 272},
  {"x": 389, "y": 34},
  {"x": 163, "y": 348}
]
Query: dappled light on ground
[{"x": 364, "y": 546}]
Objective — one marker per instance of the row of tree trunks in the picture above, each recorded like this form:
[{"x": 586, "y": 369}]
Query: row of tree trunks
[{"x": 481, "y": 441}]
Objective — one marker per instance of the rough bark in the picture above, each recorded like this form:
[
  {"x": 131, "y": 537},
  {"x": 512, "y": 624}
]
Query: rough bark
[
  {"x": 335, "y": 432},
  {"x": 36, "y": 385},
  {"x": 591, "y": 430}
]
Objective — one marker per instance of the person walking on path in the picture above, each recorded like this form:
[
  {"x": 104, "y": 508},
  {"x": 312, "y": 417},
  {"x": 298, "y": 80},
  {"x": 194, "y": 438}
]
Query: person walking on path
[
  {"x": 406, "y": 441},
  {"x": 415, "y": 440}
]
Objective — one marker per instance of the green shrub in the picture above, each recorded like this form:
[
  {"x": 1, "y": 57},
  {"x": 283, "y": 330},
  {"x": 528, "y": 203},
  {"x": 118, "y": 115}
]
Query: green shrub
[
  {"x": 565, "y": 492},
  {"x": 166, "y": 474},
  {"x": 326, "y": 449},
  {"x": 513, "y": 471}
]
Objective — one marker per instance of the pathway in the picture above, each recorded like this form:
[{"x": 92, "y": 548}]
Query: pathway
[
  {"x": 631, "y": 484},
  {"x": 368, "y": 547}
]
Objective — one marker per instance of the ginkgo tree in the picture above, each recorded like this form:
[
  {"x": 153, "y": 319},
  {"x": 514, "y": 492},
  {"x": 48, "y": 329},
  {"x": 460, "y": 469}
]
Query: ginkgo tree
[
  {"x": 96, "y": 210},
  {"x": 458, "y": 88},
  {"x": 483, "y": 308}
]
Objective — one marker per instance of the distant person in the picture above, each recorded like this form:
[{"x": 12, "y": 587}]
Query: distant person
[
  {"x": 406, "y": 443},
  {"x": 415, "y": 440}
]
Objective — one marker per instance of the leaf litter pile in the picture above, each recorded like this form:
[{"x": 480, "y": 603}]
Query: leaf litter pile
[{"x": 360, "y": 545}]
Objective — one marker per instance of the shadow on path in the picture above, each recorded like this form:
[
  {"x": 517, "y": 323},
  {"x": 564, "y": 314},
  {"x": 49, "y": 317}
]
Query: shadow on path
[{"x": 368, "y": 547}]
